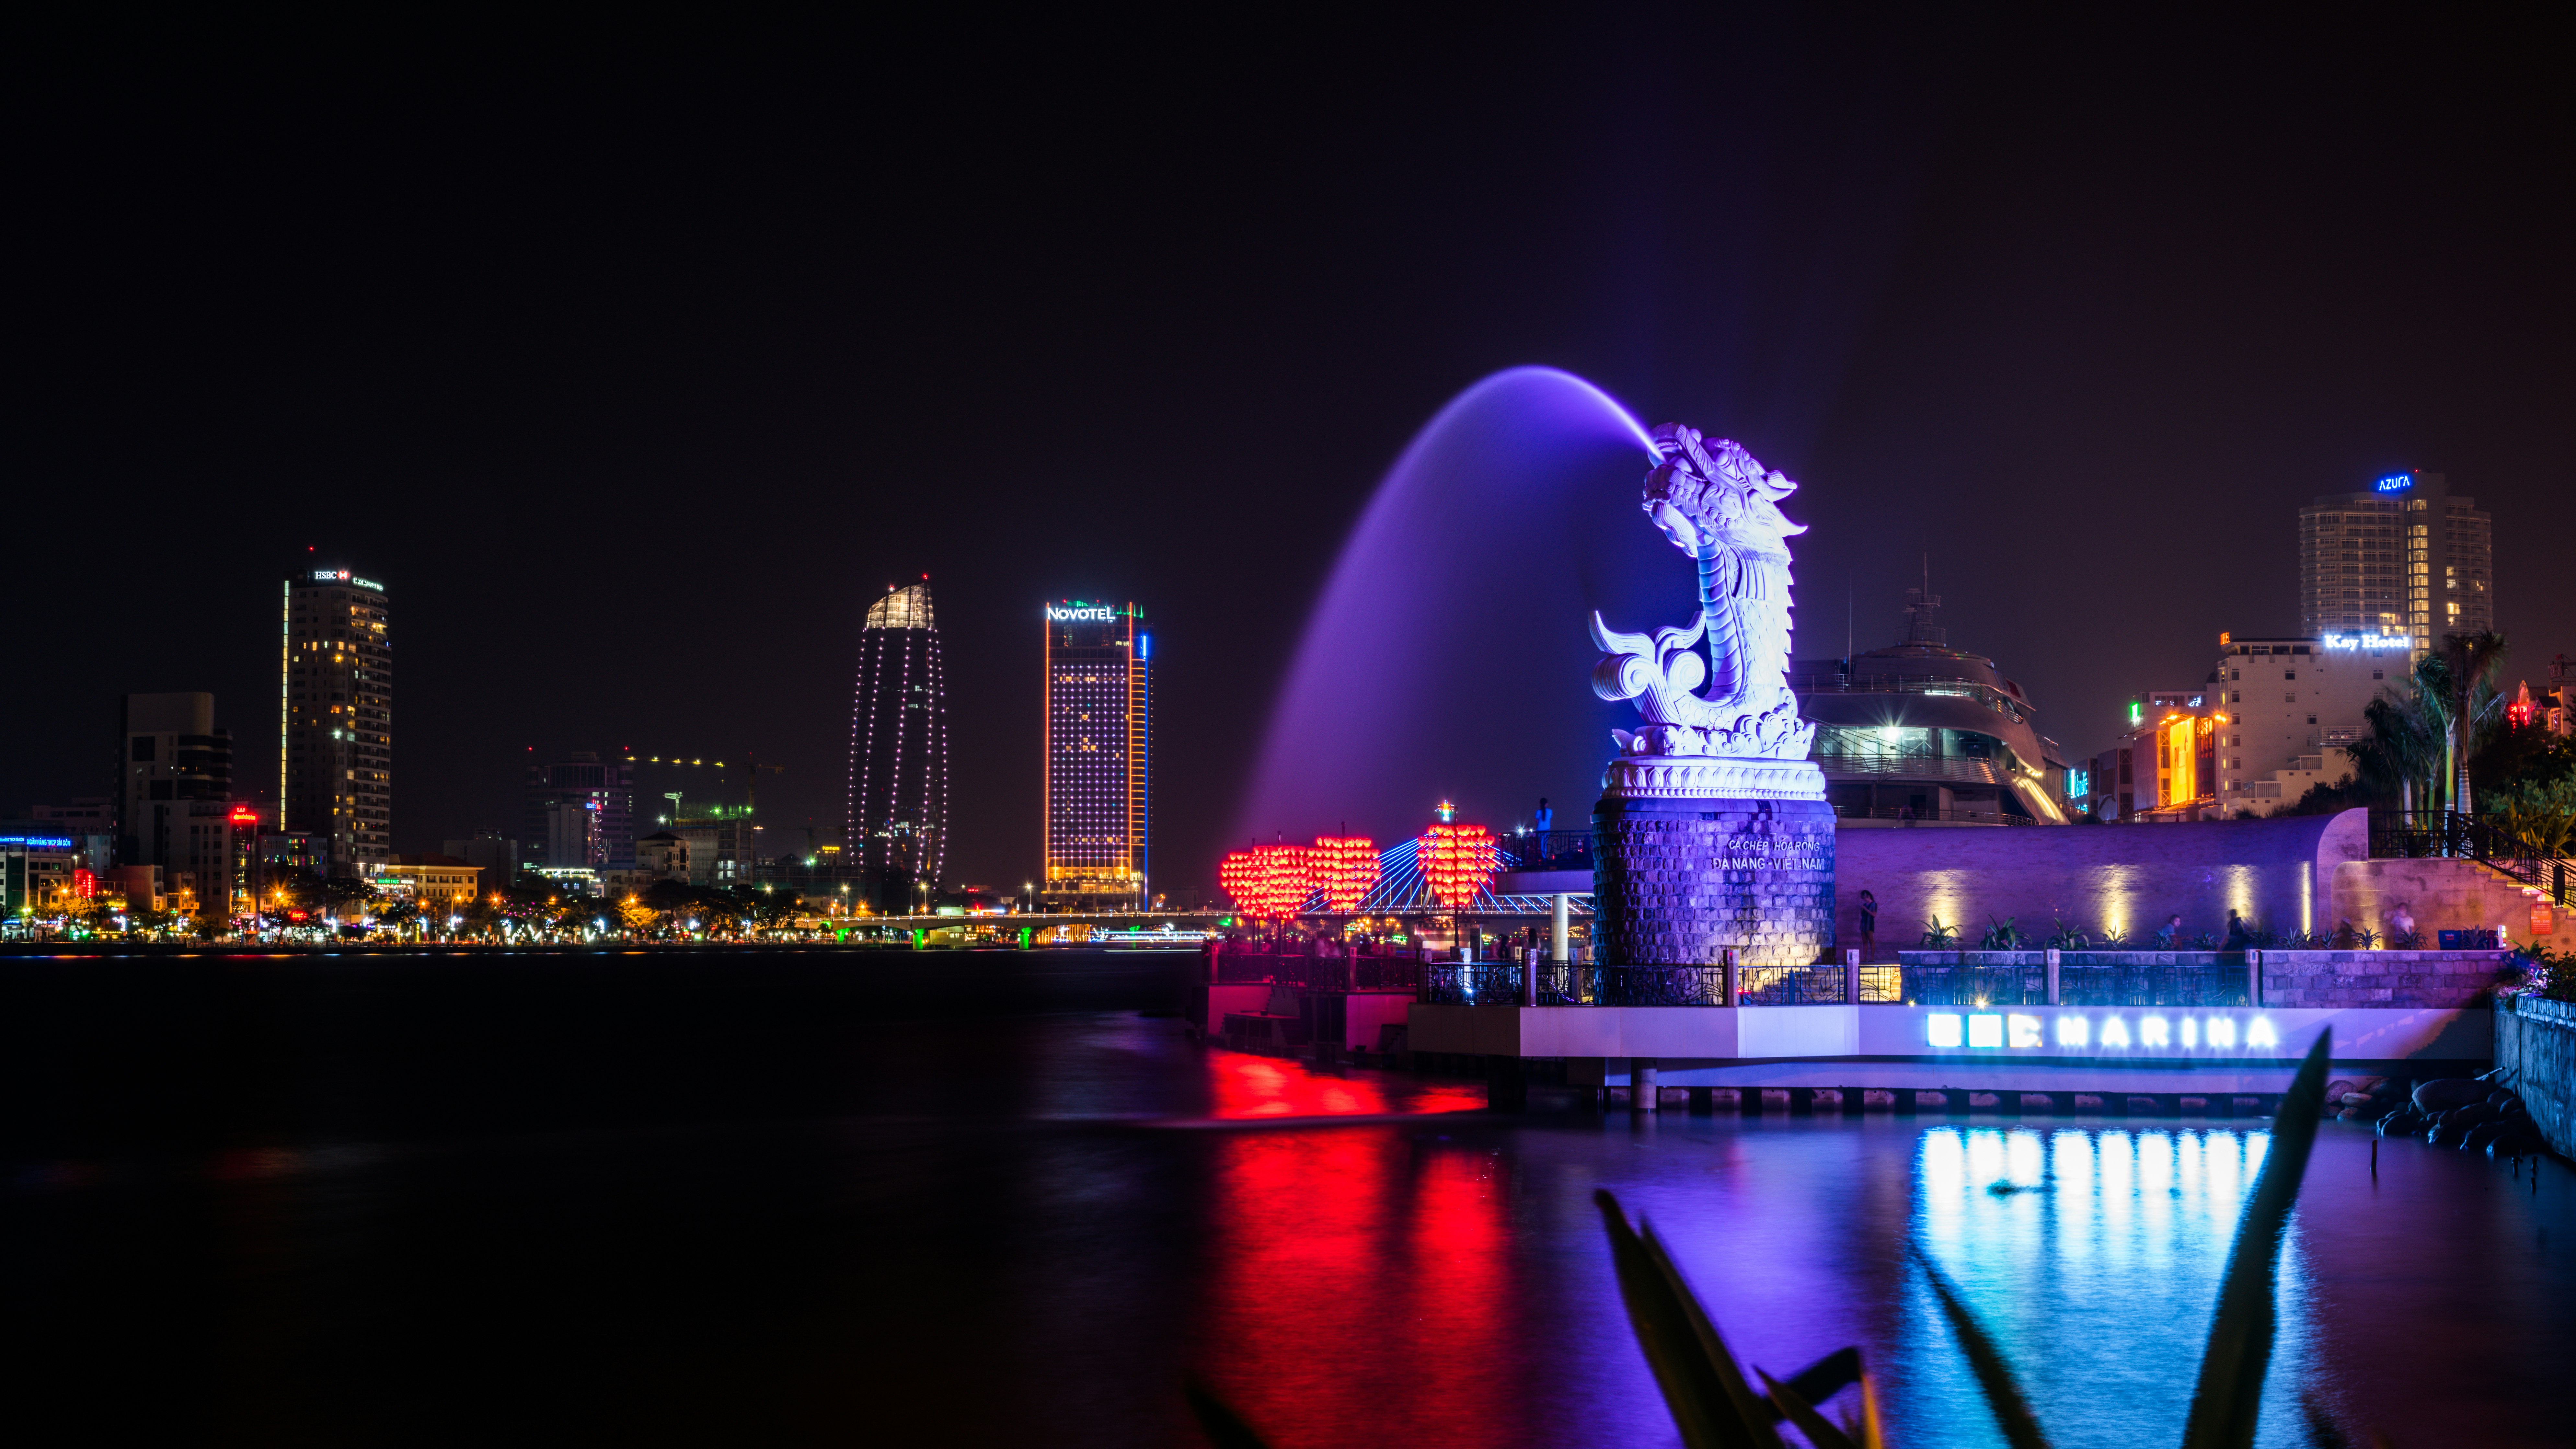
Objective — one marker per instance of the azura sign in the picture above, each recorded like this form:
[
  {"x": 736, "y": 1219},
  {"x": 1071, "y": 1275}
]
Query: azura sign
[
  {"x": 2396, "y": 483},
  {"x": 1080, "y": 613},
  {"x": 2148, "y": 1032}
]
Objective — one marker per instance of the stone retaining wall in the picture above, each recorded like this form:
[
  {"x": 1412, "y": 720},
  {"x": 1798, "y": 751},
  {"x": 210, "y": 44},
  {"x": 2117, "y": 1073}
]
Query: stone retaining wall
[
  {"x": 2537, "y": 1039},
  {"x": 2290, "y": 978}
]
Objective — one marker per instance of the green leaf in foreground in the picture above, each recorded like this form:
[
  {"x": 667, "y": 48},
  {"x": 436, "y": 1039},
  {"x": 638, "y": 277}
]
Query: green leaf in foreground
[
  {"x": 1994, "y": 1375},
  {"x": 2229, "y": 1396},
  {"x": 1711, "y": 1403}
]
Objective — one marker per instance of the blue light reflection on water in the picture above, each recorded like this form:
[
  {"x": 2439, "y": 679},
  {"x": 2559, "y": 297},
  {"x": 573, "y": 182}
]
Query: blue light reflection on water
[{"x": 2099, "y": 1251}]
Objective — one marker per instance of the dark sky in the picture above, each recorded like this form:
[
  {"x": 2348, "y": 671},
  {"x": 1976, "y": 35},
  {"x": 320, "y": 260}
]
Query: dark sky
[{"x": 635, "y": 361}]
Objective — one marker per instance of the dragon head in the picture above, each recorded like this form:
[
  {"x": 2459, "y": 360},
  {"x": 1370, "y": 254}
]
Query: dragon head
[{"x": 1708, "y": 492}]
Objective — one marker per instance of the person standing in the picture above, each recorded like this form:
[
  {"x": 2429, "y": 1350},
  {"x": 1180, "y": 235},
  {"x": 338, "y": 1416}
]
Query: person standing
[
  {"x": 2239, "y": 936},
  {"x": 1868, "y": 928}
]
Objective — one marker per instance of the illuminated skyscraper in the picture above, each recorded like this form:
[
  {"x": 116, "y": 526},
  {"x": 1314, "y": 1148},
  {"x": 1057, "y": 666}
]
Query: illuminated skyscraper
[
  {"x": 2408, "y": 557},
  {"x": 335, "y": 749},
  {"x": 898, "y": 819},
  {"x": 1099, "y": 756}
]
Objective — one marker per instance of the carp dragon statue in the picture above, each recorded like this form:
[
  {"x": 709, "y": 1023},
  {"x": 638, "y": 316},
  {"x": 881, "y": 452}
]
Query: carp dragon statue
[{"x": 1718, "y": 505}]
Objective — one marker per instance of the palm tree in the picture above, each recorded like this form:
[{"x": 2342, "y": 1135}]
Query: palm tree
[
  {"x": 2407, "y": 728},
  {"x": 2467, "y": 660}
]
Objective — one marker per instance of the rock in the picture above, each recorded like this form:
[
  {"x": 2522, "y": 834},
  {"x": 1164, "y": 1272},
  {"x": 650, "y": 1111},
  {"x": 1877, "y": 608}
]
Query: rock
[
  {"x": 2336, "y": 1089},
  {"x": 2443, "y": 1134},
  {"x": 2471, "y": 1115},
  {"x": 2477, "y": 1138},
  {"x": 2500, "y": 1096},
  {"x": 2445, "y": 1093},
  {"x": 2349, "y": 1114},
  {"x": 2352, "y": 1099}
]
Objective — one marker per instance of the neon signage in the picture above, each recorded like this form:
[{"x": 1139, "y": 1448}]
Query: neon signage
[
  {"x": 2112, "y": 1031},
  {"x": 1080, "y": 613},
  {"x": 343, "y": 576},
  {"x": 2365, "y": 641},
  {"x": 2395, "y": 483}
]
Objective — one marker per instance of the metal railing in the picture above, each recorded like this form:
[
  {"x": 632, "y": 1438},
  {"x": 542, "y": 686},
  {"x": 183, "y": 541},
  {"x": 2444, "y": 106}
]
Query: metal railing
[
  {"x": 1919, "y": 767},
  {"x": 2421, "y": 834},
  {"x": 2212, "y": 985},
  {"x": 1838, "y": 683},
  {"x": 1498, "y": 983},
  {"x": 1320, "y": 973}
]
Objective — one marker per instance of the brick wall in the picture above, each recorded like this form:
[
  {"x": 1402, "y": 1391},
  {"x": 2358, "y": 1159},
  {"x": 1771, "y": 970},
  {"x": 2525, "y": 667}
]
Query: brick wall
[{"x": 1677, "y": 881}]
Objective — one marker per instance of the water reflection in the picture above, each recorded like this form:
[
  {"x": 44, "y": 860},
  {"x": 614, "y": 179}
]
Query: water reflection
[
  {"x": 1242, "y": 1087},
  {"x": 1446, "y": 1282}
]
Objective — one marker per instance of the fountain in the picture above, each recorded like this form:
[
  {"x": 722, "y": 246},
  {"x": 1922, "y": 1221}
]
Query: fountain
[{"x": 1713, "y": 832}]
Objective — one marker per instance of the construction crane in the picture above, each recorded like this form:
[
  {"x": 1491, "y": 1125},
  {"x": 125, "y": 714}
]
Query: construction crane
[{"x": 750, "y": 763}]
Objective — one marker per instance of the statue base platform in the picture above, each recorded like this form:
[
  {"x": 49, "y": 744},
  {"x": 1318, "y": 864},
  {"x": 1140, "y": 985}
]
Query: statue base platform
[{"x": 1681, "y": 874}]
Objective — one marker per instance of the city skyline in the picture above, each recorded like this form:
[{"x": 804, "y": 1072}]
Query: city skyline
[{"x": 624, "y": 446}]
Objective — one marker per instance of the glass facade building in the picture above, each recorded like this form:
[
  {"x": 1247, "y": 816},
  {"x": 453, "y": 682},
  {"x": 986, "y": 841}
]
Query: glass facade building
[
  {"x": 2406, "y": 558},
  {"x": 335, "y": 749},
  {"x": 1099, "y": 756},
  {"x": 898, "y": 805}
]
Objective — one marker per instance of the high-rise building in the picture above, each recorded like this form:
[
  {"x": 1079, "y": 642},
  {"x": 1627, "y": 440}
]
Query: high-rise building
[
  {"x": 898, "y": 804},
  {"x": 2408, "y": 557},
  {"x": 167, "y": 749},
  {"x": 335, "y": 755},
  {"x": 579, "y": 811},
  {"x": 175, "y": 806},
  {"x": 1099, "y": 756}
]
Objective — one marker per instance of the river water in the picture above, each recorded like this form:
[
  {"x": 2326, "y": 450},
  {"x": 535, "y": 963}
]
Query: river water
[{"x": 998, "y": 1197}]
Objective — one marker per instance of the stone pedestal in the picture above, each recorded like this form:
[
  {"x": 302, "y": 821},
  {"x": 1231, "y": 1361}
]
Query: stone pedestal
[{"x": 1680, "y": 875}]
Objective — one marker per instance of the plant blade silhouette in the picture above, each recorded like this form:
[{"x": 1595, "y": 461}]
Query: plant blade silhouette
[
  {"x": 1994, "y": 1375},
  {"x": 1217, "y": 1419},
  {"x": 1711, "y": 1403},
  {"x": 2229, "y": 1397}
]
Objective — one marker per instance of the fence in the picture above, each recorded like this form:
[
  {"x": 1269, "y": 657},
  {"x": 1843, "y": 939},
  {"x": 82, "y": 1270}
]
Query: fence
[
  {"x": 1320, "y": 973},
  {"x": 1497, "y": 983},
  {"x": 2210, "y": 984},
  {"x": 2418, "y": 834}
]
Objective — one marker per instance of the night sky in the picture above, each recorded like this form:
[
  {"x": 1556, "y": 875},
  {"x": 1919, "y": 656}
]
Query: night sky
[{"x": 636, "y": 362}]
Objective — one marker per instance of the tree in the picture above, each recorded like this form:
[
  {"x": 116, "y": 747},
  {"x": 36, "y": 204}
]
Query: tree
[
  {"x": 2404, "y": 746},
  {"x": 2467, "y": 660}
]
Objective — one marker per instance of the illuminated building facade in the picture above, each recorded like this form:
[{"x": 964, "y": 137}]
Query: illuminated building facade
[
  {"x": 2408, "y": 557},
  {"x": 1920, "y": 733},
  {"x": 898, "y": 802},
  {"x": 1099, "y": 714},
  {"x": 335, "y": 756},
  {"x": 2289, "y": 707}
]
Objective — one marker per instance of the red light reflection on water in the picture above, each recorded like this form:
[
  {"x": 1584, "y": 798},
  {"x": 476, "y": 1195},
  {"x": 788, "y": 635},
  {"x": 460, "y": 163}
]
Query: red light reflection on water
[
  {"x": 1359, "y": 1276},
  {"x": 1242, "y": 1086}
]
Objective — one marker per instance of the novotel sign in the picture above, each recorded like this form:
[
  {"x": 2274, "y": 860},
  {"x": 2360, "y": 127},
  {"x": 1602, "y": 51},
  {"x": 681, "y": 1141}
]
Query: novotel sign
[
  {"x": 2395, "y": 483},
  {"x": 343, "y": 576},
  {"x": 1081, "y": 613}
]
